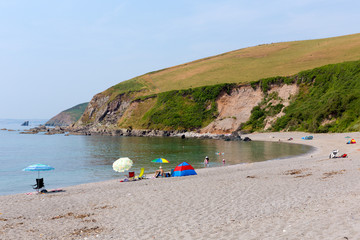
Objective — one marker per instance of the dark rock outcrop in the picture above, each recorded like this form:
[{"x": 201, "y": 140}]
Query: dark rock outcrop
[{"x": 26, "y": 123}]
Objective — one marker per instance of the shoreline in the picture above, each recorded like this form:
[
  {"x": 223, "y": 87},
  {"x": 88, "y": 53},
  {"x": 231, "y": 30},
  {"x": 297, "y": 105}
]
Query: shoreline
[{"x": 303, "y": 197}]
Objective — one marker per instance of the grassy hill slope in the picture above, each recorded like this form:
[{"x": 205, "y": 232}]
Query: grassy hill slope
[
  {"x": 328, "y": 101},
  {"x": 68, "y": 116},
  {"x": 246, "y": 65}
]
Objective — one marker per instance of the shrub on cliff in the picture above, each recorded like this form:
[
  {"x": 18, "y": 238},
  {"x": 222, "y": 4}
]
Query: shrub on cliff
[
  {"x": 328, "y": 101},
  {"x": 187, "y": 109}
]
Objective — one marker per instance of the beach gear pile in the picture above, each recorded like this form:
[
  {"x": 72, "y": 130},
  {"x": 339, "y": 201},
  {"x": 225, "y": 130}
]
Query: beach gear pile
[
  {"x": 334, "y": 153},
  {"x": 352, "y": 141},
  {"x": 124, "y": 164}
]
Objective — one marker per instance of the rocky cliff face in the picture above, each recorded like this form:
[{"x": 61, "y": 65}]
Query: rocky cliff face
[
  {"x": 103, "y": 112},
  {"x": 234, "y": 109},
  {"x": 104, "y": 115}
]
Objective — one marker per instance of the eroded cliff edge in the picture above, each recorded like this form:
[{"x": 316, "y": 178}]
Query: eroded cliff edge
[{"x": 225, "y": 113}]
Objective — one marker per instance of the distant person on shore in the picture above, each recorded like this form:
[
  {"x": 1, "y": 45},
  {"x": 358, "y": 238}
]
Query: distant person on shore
[
  {"x": 206, "y": 161},
  {"x": 223, "y": 161}
]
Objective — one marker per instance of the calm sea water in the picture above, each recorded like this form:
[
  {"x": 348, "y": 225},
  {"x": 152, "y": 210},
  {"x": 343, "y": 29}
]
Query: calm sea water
[{"x": 83, "y": 159}]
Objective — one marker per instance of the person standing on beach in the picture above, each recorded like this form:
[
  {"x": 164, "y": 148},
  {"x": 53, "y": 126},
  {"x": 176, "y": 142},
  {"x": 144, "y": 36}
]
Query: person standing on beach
[
  {"x": 206, "y": 161},
  {"x": 223, "y": 161}
]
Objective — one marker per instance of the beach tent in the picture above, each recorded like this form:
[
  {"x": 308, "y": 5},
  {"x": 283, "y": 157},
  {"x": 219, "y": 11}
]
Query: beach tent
[{"x": 184, "y": 169}]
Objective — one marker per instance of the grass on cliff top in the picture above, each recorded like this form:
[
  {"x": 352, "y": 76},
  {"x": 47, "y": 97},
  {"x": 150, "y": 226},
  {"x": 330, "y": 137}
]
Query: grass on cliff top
[{"x": 246, "y": 65}]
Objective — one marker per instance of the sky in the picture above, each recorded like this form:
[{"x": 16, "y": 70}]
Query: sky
[{"x": 57, "y": 54}]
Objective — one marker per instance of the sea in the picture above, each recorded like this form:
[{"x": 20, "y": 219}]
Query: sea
[{"x": 84, "y": 159}]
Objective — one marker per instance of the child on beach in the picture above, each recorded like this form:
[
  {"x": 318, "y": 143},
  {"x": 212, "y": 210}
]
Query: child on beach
[
  {"x": 206, "y": 161},
  {"x": 223, "y": 161}
]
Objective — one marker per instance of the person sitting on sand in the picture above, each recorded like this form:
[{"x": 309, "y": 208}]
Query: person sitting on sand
[{"x": 159, "y": 172}]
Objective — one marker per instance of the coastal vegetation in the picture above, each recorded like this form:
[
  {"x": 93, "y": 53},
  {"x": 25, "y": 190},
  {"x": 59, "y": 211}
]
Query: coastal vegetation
[
  {"x": 188, "y": 109},
  {"x": 328, "y": 101}
]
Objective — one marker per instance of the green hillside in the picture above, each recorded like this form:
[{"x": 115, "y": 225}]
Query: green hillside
[
  {"x": 68, "y": 117},
  {"x": 76, "y": 111},
  {"x": 328, "y": 101},
  {"x": 246, "y": 65}
]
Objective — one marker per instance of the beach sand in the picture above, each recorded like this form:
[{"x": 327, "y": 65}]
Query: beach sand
[{"x": 304, "y": 197}]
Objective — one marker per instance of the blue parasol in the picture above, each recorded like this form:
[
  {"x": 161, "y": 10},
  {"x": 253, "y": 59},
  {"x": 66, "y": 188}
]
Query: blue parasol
[{"x": 38, "y": 168}]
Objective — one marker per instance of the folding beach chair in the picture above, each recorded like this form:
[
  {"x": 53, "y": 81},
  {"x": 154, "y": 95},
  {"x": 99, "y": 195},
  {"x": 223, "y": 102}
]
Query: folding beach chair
[
  {"x": 131, "y": 175},
  {"x": 141, "y": 175},
  {"x": 39, "y": 183}
]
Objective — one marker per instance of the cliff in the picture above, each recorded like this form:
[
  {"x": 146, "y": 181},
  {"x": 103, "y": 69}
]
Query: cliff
[
  {"x": 67, "y": 117},
  {"x": 320, "y": 100},
  {"x": 182, "y": 111},
  {"x": 237, "y": 91}
]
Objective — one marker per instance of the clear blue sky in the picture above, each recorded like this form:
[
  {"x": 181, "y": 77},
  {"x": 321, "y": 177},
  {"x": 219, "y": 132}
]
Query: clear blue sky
[{"x": 56, "y": 54}]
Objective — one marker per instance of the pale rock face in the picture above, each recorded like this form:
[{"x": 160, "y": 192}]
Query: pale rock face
[
  {"x": 234, "y": 109},
  {"x": 285, "y": 92}
]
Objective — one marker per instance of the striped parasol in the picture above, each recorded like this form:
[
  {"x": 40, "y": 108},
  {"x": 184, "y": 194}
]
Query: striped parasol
[
  {"x": 38, "y": 167},
  {"x": 160, "y": 160}
]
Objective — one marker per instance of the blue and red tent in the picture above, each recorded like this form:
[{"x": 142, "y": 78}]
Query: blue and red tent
[{"x": 183, "y": 169}]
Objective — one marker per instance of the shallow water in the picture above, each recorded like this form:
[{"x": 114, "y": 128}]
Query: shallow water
[{"x": 83, "y": 159}]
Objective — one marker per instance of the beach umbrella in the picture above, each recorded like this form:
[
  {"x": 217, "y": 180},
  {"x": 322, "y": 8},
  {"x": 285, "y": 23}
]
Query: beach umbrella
[
  {"x": 160, "y": 160},
  {"x": 122, "y": 164},
  {"x": 184, "y": 169},
  {"x": 38, "y": 168}
]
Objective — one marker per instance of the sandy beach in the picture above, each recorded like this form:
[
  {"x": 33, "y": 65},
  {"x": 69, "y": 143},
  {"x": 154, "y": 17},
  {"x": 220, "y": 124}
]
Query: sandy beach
[{"x": 304, "y": 197}]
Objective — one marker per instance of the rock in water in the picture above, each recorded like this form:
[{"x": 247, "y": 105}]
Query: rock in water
[{"x": 26, "y": 123}]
